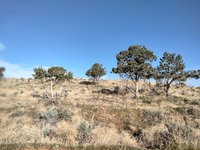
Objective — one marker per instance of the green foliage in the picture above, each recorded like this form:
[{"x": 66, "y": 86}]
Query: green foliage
[
  {"x": 69, "y": 76},
  {"x": 193, "y": 74},
  {"x": 96, "y": 72},
  {"x": 40, "y": 73},
  {"x": 59, "y": 74},
  {"x": 171, "y": 69},
  {"x": 135, "y": 63},
  {"x": 56, "y": 73},
  {"x": 2, "y": 69}
]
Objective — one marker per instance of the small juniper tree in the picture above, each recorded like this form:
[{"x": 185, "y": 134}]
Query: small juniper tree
[
  {"x": 53, "y": 74},
  {"x": 172, "y": 69},
  {"x": 2, "y": 69},
  {"x": 96, "y": 72},
  {"x": 58, "y": 74},
  {"x": 134, "y": 64}
]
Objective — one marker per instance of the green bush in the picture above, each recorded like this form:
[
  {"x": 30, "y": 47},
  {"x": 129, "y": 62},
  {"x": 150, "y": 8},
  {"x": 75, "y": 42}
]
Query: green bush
[{"x": 53, "y": 114}]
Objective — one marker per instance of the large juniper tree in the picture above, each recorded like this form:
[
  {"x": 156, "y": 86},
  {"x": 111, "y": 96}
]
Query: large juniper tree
[
  {"x": 172, "y": 69},
  {"x": 135, "y": 64}
]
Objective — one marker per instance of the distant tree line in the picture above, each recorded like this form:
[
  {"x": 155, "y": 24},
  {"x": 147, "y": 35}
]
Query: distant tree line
[{"x": 133, "y": 64}]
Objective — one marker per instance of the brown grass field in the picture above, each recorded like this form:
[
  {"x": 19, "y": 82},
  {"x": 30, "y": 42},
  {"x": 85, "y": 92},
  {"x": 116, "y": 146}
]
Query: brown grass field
[{"x": 86, "y": 116}]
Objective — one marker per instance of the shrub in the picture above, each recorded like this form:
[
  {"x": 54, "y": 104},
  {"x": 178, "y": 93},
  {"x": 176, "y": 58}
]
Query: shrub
[
  {"x": 180, "y": 131},
  {"x": 151, "y": 117},
  {"x": 84, "y": 132},
  {"x": 53, "y": 114},
  {"x": 48, "y": 132},
  {"x": 161, "y": 140}
]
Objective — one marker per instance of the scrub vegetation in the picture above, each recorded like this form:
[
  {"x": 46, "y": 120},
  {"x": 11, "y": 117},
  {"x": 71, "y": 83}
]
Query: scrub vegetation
[{"x": 54, "y": 110}]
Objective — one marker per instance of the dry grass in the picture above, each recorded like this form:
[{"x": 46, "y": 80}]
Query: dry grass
[
  {"x": 66, "y": 133},
  {"x": 111, "y": 136},
  {"x": 153, "y": 122}
]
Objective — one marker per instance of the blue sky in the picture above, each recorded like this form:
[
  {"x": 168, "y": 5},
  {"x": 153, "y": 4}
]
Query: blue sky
[{"x": 77, "y": 33}]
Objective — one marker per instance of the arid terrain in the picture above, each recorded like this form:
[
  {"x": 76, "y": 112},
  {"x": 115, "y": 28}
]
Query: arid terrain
[{"x": 81, "y": 115}]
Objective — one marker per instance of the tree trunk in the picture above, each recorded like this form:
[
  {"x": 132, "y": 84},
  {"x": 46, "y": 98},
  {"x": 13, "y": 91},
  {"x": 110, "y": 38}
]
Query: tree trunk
[
  {"x": 136, "y": 89},
  {"x": 167, "y": 90},
  {"x": 150, "y": 85}
]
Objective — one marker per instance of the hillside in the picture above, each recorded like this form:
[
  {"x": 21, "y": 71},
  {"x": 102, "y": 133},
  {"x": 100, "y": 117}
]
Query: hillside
[{"x": 84, "y": 114}]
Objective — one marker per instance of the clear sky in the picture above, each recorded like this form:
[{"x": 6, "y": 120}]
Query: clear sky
[{"x": 75, "y": 34}]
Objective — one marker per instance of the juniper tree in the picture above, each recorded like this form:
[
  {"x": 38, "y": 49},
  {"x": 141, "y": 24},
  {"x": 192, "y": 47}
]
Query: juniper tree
[
  {"x": 53, "y": 74},
  {"x": 96, "y": 72},
  {"x": 56, "y": 73},
  {"x": 172, "y": 69},
  {"x": 135, "y": 64},
  {"x": 59, "y": 74}
]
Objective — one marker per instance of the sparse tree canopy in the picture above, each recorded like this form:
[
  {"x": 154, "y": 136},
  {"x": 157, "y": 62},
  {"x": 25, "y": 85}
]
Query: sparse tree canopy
[
  {"x": 172, "y": 69},
  {"x": 56, "y": 73},
  {"x": 193, "y": 74},
  {"x": 135, "y": 64},
  {"x": 96, "y": 72},
  {"x": 59, "y": 73},
  {"x": 2, "y": 69}
]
